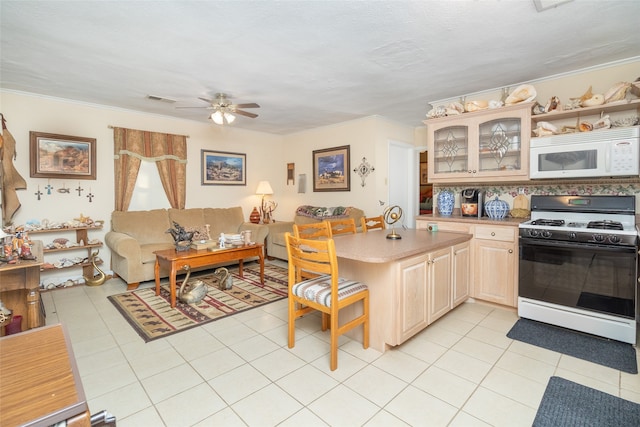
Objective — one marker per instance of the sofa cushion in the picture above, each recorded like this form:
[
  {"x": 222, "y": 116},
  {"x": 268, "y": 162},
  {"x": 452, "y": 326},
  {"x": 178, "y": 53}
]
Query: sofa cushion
[
  {"x": 144, "y": 226},
  {"x": 223, "y": 220},
  {"x": 147, "y": 251}
]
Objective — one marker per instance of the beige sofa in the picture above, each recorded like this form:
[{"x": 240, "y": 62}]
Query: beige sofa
[
  {"x": 276, "y": 245},
  {"x": 135, "y": 235}
]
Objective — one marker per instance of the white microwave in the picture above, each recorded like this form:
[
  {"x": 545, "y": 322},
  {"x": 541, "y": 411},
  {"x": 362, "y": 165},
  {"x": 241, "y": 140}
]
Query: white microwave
[{"x": 600, "y": 153}]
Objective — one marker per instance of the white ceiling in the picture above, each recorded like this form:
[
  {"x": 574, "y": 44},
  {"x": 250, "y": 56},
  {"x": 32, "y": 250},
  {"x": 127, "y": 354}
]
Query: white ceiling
[{"x": 307, "y": 63}]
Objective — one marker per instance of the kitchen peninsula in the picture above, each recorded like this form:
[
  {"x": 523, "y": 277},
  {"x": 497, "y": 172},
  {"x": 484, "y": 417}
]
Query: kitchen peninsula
[{"x": 412, "y": 281}]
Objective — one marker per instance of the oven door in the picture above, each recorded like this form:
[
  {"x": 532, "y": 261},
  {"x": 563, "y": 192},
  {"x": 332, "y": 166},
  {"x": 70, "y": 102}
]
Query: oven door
[{"x": 598, "y": 278}]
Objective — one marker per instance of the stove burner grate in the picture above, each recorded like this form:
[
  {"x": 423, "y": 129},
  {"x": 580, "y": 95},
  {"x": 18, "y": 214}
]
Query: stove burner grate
[
  {"x": 606, "y": 225},
  {"x": 551, "y": 222}
]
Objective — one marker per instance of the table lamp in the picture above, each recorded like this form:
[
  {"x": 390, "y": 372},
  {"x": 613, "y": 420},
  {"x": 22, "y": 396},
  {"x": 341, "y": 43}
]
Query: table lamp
[{"x": 264, "y": 188}]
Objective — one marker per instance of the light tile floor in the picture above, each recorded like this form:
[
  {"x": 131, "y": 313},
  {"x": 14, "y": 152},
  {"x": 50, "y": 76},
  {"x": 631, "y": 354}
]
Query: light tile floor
[{"x": 460, "y": 371}]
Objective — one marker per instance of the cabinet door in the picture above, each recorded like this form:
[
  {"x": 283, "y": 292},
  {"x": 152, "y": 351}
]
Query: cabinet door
[
  {"x": 412, "y": 297},
  {"x": 461, "y": 279},
  {"x": 439, "y": 280},
  {"x": 495, "y": 271},
  {"x": 499, "y": 143},
  {"x": 450, "y": 148}
]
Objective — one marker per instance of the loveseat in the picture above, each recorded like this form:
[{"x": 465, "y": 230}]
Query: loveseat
[
  {"x": 135, "y": 235},
  {"x": 276, "y": 245}
]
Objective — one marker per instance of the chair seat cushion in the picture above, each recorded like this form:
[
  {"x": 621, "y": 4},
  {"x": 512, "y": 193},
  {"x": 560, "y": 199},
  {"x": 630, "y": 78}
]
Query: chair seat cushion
[{"x": 318, "y": 289}]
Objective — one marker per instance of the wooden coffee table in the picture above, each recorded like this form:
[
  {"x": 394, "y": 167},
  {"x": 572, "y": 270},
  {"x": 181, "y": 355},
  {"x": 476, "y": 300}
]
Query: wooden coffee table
[{"x": 174, "y": 261}]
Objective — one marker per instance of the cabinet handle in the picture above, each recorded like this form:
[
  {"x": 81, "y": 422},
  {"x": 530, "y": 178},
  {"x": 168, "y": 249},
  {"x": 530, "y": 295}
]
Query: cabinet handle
[
  {"x": 469, "y": 171},
  {"x": 510, "y": 251},
  {"x": 474, "y": 171},
  {"x": 493, "y": 233}
]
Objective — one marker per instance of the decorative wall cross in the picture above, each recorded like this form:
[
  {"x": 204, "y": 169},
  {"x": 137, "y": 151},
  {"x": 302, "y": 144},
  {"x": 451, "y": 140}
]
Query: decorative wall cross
[
  {"x": 79, "y": 190},
  {"x": 90, "y": 196},
  {"x": 38, "y": 193},
  {"x": 364, "y": 170},
  {"x": 49, "y": 187}
]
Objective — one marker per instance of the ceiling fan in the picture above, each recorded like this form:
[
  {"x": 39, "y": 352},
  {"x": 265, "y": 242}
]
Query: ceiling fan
[{"x": 224, "y": 111}]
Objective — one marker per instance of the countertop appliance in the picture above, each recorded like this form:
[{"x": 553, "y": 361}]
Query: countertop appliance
[
  {"x": 600, "y": 153},
  {"x": 471, "y": 202},
  {"x": 579, "y": 264}
]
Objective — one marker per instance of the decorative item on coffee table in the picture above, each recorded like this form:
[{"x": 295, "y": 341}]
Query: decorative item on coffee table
[{"x": 181, "y": 237}]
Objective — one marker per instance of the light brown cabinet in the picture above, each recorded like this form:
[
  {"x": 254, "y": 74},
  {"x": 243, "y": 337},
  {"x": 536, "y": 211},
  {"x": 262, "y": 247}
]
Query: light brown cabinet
[
  {"x": 461, "y": 279},
  {"x": 429, "y": 286},
  {"x": 480, "y": 146},
  {"x": 493, "y": 257},
  {"x": 495, "y": 264}
]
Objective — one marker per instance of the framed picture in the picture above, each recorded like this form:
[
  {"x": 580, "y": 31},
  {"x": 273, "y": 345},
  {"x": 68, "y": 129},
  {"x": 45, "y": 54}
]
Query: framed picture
[
  {"x": 331, "y": 169},
  {"x": 424, "y": 174},
  {"x": 62, "y": 156},
  {"x": 222, "y": 168}
]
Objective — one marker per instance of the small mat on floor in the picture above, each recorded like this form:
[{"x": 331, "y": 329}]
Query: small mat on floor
[
  {"x": 566, "y": 403},
  {"x": 152, "y": 316},
  {"x": 603, "y": 351}
]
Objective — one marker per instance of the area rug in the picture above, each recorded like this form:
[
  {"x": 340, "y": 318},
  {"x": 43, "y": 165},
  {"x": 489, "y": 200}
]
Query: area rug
[
  {"x": 566, "y": 403},
  {"x": 152, "y": 316},
  {"x": 603, "y": 351}
]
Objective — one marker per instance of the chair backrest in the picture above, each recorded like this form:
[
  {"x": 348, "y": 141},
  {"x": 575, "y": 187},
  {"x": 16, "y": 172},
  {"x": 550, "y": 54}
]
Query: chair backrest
[
  {"x": 311, "y": 257},
  {"x": 343, "y": 226},
  {"x": 315, "y": 230},
  {"x": 373, "y": 223}
]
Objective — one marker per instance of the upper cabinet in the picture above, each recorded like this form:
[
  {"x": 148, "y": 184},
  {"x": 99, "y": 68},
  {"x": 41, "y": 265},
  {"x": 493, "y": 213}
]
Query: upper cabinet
[{"x": 480, "y": 146}]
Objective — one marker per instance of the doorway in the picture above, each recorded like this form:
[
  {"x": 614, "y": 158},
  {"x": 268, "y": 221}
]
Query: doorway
[{"x": 403, "y": 180}]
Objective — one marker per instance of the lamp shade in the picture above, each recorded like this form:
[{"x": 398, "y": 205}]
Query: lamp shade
[
  {"x": 217, "y": 118},
  {"x": 264, "y": 188}
]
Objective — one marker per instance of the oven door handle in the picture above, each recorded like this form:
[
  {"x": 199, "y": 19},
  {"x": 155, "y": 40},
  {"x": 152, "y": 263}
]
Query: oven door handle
[{"x": 568, "y": 245}]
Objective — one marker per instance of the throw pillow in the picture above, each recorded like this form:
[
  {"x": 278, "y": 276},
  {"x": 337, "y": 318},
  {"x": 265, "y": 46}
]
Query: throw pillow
[{"x": 199, "y": 233}]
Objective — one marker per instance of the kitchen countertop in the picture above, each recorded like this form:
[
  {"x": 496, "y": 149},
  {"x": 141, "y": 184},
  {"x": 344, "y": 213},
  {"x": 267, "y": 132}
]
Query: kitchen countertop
[
  {"x": 457, "y": 217},
  {"x": 374, "y": 246}
]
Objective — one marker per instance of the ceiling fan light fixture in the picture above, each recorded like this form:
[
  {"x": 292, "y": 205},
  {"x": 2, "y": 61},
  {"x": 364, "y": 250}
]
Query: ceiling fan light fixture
[
  {"x": 229, "y": 117},
  {"x": 217, "y": 118}
]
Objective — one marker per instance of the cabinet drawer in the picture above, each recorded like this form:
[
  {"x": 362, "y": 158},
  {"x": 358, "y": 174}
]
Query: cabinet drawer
[
  {"x": 454, "y": 226},
  {"x": 504, "y": 234}
]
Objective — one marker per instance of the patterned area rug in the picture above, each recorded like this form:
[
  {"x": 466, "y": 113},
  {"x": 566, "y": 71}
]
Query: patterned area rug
[{"x": 152, "y": 316}]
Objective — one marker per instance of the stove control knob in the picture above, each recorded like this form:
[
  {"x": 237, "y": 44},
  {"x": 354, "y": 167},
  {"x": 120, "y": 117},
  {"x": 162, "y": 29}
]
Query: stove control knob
[
  {"x": 573, "y": 235},
  {"x": 533, "y": 233},
  {"x": 614, "y": 239},
  {"x": 546, "y": 234},
  {"x": 598, "y": 237}
]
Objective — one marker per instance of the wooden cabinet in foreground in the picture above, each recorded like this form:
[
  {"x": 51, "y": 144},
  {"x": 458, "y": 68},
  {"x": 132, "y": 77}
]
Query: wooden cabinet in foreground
[
  {"x": 493, "y": 257},
  {"x": 480, "y": 146},
  {"x": 496, "y": 264},
  {"x": 429, "y": 286}
]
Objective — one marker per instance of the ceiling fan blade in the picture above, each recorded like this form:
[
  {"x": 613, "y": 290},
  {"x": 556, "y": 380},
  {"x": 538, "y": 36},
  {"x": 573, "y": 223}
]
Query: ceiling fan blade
[
  {"x": 250, "y": 105},
  {"x": 246, "y": 113},
  {"x": 210, "y": 101},
  {"x": 194, "y": 107}
]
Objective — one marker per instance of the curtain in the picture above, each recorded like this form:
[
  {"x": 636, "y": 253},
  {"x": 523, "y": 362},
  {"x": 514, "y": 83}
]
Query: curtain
[{"x": 169, "y": 152}]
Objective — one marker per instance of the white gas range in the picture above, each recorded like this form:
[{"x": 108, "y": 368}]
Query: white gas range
[{"x": 579, "y": 264}]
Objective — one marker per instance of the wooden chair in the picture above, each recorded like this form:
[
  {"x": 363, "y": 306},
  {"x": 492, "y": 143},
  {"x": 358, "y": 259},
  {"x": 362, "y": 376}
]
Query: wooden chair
[
  {"x": 373, "y": 223},
  {"x": 343, "y": 226},
  {"x": 314, "y": 230},
  {"x": 325, "y": 293}
]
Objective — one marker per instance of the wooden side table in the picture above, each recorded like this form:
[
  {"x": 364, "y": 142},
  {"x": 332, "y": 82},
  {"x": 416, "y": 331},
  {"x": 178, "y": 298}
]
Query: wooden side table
[
  {"x": 40, "y": 381},
  {"x": 175, "y": 261}
]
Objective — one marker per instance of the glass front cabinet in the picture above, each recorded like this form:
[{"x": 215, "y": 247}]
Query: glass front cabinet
[{"x": 480, "y": 146}]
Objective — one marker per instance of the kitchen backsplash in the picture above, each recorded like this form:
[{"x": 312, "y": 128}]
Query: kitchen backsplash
[{"x": 509, "y": 192}]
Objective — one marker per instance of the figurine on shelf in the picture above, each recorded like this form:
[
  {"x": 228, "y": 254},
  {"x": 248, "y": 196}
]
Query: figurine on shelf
[{"x": 221, "y": 241}]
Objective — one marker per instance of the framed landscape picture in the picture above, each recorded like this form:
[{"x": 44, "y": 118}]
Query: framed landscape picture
[
  {"x": 62, "y": 156},
  {"x": 222, "y": 168},
  {"x": 331, "y": 169}
]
